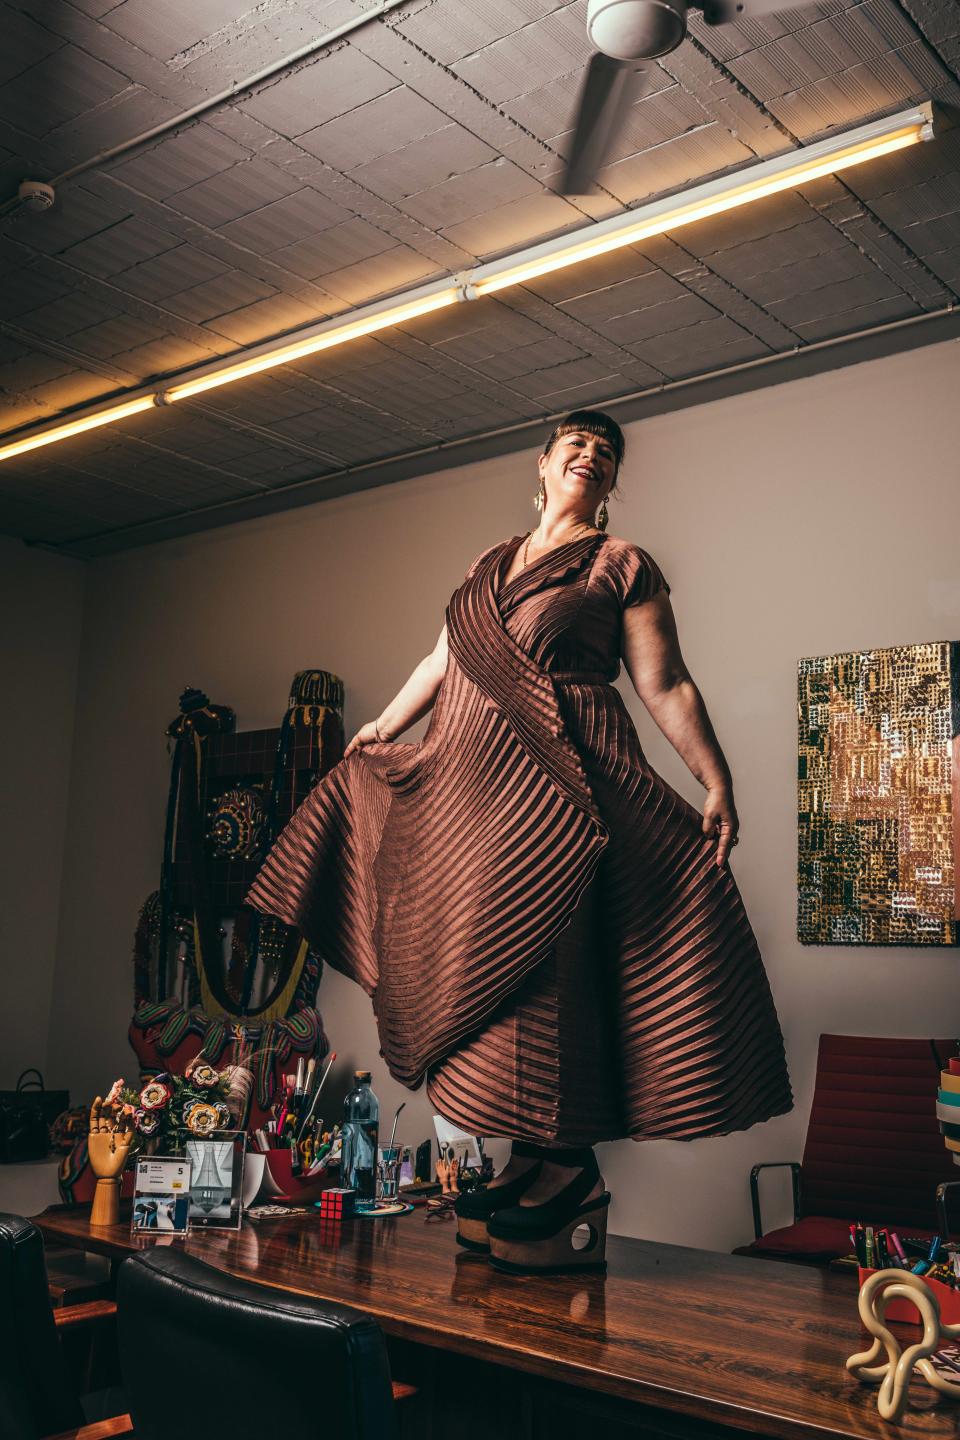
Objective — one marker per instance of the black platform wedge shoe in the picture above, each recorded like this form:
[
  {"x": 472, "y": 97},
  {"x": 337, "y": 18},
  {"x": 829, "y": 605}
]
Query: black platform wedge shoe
[
  {"x": 474, "y": 1208},
  {"x": 566, "y": 1232}
]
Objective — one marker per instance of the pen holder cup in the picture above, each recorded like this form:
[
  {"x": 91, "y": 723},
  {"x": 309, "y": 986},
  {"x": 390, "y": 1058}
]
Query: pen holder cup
[
  {"x": 298, "y": 1189},
  {"x": 907, "y": 1313}
]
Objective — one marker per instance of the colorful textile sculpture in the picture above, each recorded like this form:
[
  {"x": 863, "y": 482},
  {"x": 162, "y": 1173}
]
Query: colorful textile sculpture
[
  {"x": 146, "y": 960},
  {"x": 237, "y": 824},
  {"x": 315, "y": 707},
  {"x": 160, "y": 1032},
  {"x": 190, "y": 999}
]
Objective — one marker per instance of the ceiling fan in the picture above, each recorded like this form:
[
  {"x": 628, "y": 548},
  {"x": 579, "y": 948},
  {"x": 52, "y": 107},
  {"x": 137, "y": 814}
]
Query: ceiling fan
[{"x": 624, "y": 32}]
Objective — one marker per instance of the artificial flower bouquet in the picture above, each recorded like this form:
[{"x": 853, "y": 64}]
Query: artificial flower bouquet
[{"x": 168, "y": 1109}]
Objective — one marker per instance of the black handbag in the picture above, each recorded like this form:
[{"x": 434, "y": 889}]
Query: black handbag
[{"x": 25, "y": 1116}]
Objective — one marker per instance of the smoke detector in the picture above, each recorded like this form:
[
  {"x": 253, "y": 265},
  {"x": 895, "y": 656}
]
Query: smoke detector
[{"x": 36, "y": 195}]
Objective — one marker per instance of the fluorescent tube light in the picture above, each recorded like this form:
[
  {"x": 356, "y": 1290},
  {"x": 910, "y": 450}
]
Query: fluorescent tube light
[
  {"x": 76, "y": 427},
  {"x": 767, "y": 177},
  {"x": 784, "y": 172},
  {"x": 320, "y": 337}
]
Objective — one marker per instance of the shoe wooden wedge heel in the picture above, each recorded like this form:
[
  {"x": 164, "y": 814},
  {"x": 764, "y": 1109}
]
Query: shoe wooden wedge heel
[
  {"x": 472, "y": 1234},
  {"x": 475, "y": 1207},
  {"x": 562, "y": 1229},
  {"x": 580, "y": 1245}
]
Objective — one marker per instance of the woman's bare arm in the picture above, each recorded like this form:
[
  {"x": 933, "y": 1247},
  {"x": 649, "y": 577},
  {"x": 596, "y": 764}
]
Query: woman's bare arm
[
  {"x": 651, "y": 654},
  {"x": 410, "y": 703}
]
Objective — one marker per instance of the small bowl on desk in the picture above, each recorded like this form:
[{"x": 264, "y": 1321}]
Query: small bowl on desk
[{"x": 298, "y": 1189}]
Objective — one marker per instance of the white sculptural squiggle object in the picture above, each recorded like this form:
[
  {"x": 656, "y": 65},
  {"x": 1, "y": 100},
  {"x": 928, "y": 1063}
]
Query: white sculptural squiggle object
[{"x": 894, "y": 1375}]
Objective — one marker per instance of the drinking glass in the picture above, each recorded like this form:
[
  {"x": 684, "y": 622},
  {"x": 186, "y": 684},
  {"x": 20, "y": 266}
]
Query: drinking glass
[{"x": 388, "y": 1172}]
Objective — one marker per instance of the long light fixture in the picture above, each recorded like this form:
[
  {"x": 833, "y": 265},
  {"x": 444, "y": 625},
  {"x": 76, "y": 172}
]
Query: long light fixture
[
  {"x": 316, "y": 338},
  {"x": 87, "y": 421},
  {"x": 767, "y": 177}
]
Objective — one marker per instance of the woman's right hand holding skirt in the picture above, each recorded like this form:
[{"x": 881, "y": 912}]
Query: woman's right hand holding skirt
[{"x": 366, "y": 735}]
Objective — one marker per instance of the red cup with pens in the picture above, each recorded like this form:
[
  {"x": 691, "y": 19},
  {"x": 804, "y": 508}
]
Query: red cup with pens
[
  {"x": 881, "y": 1248},
  {"x": 302, "y": 1159}
]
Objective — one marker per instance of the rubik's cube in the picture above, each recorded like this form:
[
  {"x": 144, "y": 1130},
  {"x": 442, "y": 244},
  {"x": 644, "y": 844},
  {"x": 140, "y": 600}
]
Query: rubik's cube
[{"x": 337, "y": 1204}]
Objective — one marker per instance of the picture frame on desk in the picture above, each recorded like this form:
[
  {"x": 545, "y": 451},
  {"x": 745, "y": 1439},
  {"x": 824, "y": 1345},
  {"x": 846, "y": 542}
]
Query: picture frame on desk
[
  {"x": 161, "y": 1196},
  {"x": 216, "y": 1185}
]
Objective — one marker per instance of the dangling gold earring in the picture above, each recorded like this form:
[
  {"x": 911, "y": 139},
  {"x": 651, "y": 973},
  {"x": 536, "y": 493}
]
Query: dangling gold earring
[
  {"x": 602, "y": 517},
  {"x": 540, "y": 499}
]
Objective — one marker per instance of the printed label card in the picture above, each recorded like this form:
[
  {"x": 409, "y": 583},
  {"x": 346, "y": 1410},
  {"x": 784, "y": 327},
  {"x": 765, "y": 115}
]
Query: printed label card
[{"x": 161, "y": 1196}]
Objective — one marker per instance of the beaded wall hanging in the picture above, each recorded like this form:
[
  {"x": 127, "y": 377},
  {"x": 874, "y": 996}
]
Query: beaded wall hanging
[{"x": 879, "y": 796}]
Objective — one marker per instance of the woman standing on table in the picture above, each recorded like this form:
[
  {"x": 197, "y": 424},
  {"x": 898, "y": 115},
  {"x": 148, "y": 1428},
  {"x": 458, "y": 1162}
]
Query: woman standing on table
[{"x": 550, "y": 933}]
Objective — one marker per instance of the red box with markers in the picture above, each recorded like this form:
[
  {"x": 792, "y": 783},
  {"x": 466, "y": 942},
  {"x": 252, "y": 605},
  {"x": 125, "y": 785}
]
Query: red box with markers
[{"x": 905, "y": 1310}]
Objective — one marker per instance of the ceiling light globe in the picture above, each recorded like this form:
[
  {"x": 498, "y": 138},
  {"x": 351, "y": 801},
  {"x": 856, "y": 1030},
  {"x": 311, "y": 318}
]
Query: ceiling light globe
[{"x": 636, "y": 29}]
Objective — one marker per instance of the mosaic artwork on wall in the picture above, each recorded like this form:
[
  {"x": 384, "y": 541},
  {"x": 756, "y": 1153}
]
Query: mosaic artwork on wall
[{"x": 879, "y": 796}]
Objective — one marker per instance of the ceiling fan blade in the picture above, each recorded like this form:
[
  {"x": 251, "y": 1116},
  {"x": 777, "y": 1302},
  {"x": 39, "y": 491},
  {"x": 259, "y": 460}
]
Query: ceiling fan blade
[{"x": 609, "y": 88}]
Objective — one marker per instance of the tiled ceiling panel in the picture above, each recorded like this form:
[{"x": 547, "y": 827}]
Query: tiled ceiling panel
[{"x": 410, "y": 148}]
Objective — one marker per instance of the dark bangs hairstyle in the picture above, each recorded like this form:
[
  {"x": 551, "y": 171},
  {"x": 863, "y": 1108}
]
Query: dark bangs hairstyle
[{"x": 590, "y": 422}]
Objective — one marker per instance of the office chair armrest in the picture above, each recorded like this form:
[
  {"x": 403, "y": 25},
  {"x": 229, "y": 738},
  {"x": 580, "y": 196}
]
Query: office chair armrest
[
  {"x": 85, "y": 1313},
  {"x": 101, "y": 1430},
  {"x": 795, "y": 1173},
  {"x": 943, "y": 1220}
]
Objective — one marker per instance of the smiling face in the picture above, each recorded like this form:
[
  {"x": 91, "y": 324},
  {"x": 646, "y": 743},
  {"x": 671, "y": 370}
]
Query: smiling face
[{"x": 579, "y": 471}]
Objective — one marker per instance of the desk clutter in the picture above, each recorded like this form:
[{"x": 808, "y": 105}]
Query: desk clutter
[{"x": 194, "y": 1165}]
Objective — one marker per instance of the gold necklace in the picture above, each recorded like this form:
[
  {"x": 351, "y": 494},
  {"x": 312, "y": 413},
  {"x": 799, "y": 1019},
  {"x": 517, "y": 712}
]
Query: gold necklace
[{"x": 583, "y": 526}]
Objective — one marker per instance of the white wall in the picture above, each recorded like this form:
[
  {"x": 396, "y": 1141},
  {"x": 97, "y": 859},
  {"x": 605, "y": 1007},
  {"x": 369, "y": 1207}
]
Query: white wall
[
  {"x": 812, "y": 517},
  {"x": 41, "y": 609}
]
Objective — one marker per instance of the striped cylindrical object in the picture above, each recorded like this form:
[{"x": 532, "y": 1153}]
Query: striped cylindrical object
[{"x": 948, "y": 1107}]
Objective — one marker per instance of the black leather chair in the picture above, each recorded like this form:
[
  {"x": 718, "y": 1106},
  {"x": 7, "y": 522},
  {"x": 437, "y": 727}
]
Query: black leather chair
[
  {"x": 247, "y": 1360},
  {"x": 37, "y": 1394}
]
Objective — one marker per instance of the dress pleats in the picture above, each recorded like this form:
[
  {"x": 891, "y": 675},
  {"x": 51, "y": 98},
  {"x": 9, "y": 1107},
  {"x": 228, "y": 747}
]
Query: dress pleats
[{"x": 535, "y": 913}]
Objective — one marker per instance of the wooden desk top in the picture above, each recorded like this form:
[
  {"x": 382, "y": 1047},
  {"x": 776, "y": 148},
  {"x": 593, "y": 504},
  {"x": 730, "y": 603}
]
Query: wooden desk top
[{"x": 749, "y": 1344}]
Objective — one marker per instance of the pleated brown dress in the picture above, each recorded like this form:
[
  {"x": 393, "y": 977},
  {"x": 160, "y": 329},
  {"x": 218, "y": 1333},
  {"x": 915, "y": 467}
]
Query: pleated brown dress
[{"x": 537, "y": 916}]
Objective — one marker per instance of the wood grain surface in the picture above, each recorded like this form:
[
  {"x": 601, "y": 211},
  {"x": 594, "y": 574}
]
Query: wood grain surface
[{"x": 746, "y": 1345}]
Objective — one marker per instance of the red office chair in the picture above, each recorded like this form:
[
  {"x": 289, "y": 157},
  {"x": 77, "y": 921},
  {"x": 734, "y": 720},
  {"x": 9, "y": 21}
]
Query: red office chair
[{"x": 873, "y": 1151}]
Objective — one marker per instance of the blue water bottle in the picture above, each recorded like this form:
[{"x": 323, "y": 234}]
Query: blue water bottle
[{"x": 361, "y": 1137}]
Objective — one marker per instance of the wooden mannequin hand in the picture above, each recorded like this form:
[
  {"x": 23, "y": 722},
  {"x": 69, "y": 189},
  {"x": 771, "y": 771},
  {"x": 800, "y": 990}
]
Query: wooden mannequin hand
[{"x": 109, "y": 1140}]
